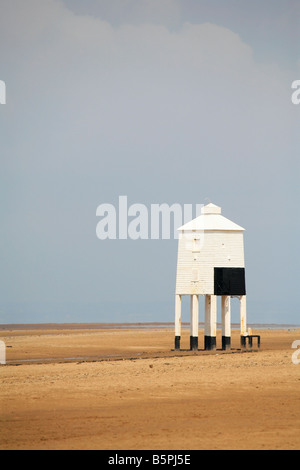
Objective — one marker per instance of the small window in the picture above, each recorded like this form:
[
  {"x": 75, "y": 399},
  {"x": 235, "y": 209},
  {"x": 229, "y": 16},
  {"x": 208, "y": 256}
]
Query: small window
[
  {"x": 195, "y": 275},
  {"x": 196, "y": 245}
]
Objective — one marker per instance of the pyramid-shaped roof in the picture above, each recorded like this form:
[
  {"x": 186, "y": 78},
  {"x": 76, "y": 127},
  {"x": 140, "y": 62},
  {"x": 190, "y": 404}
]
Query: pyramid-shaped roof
[{"x": 211, "y": 219}]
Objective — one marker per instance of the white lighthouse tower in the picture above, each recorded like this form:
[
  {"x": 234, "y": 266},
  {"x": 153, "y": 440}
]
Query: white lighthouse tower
[{"x": 210, "y": 263}]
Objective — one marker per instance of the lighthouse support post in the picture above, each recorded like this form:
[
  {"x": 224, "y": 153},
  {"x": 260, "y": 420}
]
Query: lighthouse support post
[
  {"x": 226, "y": 322},
  {"x": 243, "y": 319},
  {"x": 210, "y": 329},
  {"x": 194, "y": 322},
  {"x": 177, "y": 321}
]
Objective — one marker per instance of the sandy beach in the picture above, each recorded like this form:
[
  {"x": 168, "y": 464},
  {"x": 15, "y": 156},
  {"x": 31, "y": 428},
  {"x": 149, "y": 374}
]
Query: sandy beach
[{"x": 96, "y": 387}]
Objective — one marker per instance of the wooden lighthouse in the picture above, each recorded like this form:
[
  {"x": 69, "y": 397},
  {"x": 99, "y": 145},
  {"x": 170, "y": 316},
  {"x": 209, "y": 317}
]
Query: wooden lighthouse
[{"x": 210, "y": 263}]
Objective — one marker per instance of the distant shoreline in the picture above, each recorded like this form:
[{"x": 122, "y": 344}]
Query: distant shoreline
[{"x": 136, "y": 325}]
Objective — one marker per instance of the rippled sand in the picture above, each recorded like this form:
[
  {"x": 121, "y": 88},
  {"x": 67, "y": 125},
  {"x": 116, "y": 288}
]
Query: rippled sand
[{"x": 67, "y": 387}]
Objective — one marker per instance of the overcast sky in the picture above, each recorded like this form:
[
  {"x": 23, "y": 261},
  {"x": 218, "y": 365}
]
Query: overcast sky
[{"x": 165, "y": 101}]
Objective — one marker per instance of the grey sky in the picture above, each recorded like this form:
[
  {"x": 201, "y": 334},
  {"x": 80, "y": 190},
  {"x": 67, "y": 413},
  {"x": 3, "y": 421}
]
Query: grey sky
[{"x": 162, "y": 101}]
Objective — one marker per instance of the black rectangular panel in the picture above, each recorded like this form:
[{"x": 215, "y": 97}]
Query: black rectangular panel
[{"x": 229, "y": 281}]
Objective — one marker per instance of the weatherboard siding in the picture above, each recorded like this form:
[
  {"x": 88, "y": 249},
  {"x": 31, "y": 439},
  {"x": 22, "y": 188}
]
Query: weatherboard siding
[{"x": 197, "y": 259}]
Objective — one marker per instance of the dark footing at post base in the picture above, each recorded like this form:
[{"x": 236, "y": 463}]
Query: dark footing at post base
[
  {"x": 177, "y": 342},
  {"x": 226, "y": 343},
  {"x": 210, "y": 343},
  {"x": 243, "y": 342},
  {"x": 194, "y": 343}
]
